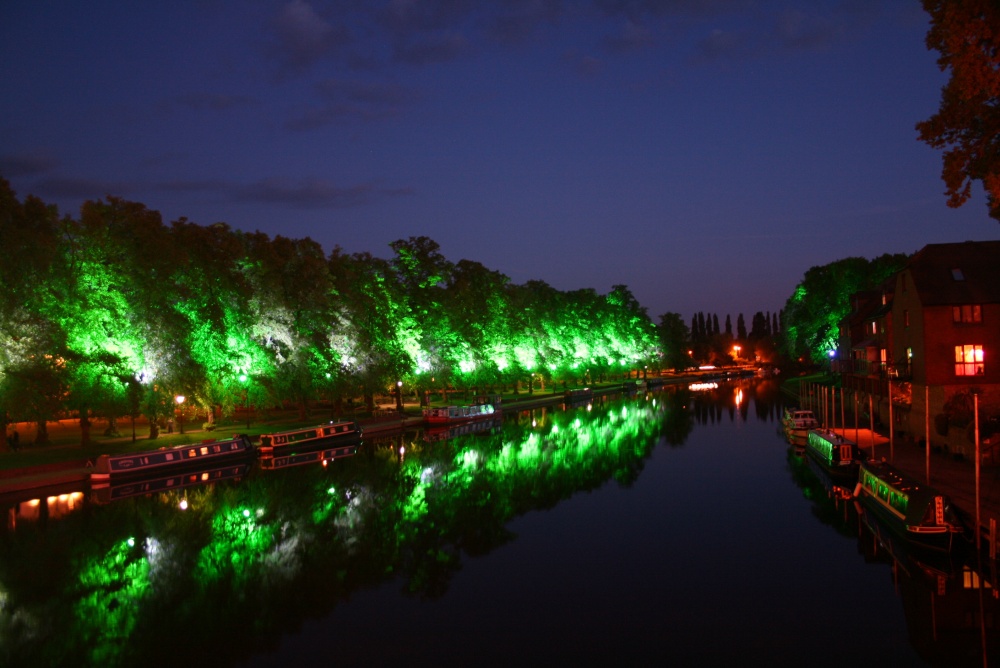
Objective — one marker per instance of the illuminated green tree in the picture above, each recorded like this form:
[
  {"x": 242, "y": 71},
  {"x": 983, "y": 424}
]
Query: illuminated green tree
[
  {"x": 32, "y": 377},
  {"x": 478, "y": 308},
  {"x": 291, "y": 311},
  {"x": 376, "y": 337},
  {"x": 228, "y": 364},
  {"x": 813, "y": 313}
]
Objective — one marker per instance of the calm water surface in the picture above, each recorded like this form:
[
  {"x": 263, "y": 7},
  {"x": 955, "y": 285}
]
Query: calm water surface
[{"x": 676, "y": 527}]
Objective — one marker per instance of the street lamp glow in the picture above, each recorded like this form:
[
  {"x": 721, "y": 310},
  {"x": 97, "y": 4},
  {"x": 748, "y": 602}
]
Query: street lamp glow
[{"x": 180, "y": 411}]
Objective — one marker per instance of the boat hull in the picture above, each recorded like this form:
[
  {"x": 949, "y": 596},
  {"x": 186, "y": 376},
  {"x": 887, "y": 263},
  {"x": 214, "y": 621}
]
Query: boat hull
[
  {"x": 280, "y": 443},
  {"x": 109, "y": 468},
  {"x": 836, "y": 455},
  {"x": 916, "y": 512}
]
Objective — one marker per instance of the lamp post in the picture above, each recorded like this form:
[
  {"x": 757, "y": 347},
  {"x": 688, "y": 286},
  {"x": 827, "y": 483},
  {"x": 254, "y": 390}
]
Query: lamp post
[
  {"x": 180, "y": 412},
  {"x": 399, "y": 396},
  {"x": 736, "y": 352}
]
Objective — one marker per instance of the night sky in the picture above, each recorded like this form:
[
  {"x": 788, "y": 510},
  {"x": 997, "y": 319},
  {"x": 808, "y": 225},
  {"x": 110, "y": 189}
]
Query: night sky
[{"x": 706, "y": 153}]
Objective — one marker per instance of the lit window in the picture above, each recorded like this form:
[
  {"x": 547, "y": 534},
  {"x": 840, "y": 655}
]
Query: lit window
[
  {"x": 969, "y": 360},
  {"x": 967, "y": 313}
]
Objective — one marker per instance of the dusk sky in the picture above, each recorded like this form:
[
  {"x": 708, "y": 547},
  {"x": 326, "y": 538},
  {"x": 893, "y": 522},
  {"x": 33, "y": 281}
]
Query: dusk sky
[{"x": 705, "y": 153}]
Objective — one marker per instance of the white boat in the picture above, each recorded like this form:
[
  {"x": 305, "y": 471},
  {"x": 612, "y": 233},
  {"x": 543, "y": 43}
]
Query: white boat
[{"x": 799, "y": 421}]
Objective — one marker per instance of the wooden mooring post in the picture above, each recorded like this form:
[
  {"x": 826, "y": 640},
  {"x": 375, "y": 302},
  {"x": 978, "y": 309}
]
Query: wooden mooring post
[{"x": 993, "y": 538}]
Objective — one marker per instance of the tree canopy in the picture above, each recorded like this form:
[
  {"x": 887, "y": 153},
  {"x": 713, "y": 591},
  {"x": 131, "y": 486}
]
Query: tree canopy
[
  {"x": 116, "y": 313},
  {"x": 966, "y": 34},
  {"x": 812, "y": 315}
]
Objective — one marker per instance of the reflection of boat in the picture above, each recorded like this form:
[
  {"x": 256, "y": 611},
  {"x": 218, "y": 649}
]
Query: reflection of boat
[
  {"x": 796, "y": 440},
  {"x": 836, "y": 487},
  {"x": 114, "y": 492},
  {"x": 453, "y": 414},
  {"x": 907, "y": 556},
  {"x": 947, "y": 598},
  {"x": 799, "y": 421},
  {"x": 311, "y": 454},
  {"x": 442, "y": 433},
  {"x": 837, "y": 456},
  {"x": 276, "y": 444},
  {"x": 913, "y": 510},
  {"x": 154, "y": 462}
]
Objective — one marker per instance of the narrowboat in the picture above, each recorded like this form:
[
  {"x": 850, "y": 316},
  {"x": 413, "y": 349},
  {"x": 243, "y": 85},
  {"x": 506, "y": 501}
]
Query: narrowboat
[
  {"x": 151, "y": 463},
  {"x": 166, "y": 483},
  {"x": 836, "y": 455},
  {"x": 316, "y": 454},
  {"x": 581, "y": 394},
  {"x": 917, "y": 512},
  {"x": 453, "y": 414},
  {"x": 278, "y": 443}
]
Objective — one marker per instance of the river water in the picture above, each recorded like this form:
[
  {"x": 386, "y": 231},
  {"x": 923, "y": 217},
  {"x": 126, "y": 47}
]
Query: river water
[{"x": 675, "y": 527}]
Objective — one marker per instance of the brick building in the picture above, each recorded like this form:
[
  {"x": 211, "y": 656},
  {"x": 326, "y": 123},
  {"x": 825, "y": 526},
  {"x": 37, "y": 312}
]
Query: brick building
[{"x": 931, "y": 335}]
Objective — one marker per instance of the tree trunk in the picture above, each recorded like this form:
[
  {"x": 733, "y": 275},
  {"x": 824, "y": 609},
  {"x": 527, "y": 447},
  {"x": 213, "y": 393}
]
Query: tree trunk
[
  {"x": 42, "y": 433},
  {"x": 84, "y": 428},
  {"x": 112, "y": 429}
]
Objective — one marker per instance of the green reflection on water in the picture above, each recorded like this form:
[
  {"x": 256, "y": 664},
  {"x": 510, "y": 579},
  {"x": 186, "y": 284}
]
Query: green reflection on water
[{"x": 251, "y": 559}]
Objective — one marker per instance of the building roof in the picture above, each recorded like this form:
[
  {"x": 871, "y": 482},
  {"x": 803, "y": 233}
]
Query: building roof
[{"x": 959, "y": 273}]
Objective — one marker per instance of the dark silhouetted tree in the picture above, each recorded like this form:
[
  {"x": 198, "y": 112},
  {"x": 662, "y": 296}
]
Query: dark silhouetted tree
[{"x": 967, "y": 125}]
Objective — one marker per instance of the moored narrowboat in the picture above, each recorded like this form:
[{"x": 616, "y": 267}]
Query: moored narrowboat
[
  {"x": 453, "y": 414},
  {"x": 280, "y": 442},
  {"x": 838, "y": 456},
  {"x": 151, "y": 463},
  {"x": 581, "y": 394},
  {"x": 915, "y": 511}
]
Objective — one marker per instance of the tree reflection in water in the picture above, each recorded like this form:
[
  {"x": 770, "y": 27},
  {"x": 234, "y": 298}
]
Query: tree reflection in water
[{"x": 141, "y": 581}]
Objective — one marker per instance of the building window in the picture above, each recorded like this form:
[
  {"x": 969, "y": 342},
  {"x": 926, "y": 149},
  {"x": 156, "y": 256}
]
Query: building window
[
  {"x": 874, "y": 327},
  {"x": 967, "y": 313},
  {"x": 957, "y": 274},
  {"x": 969, "y": 360}
]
